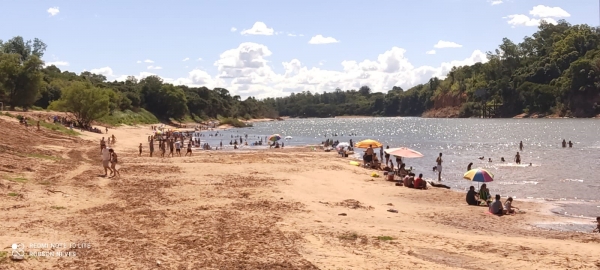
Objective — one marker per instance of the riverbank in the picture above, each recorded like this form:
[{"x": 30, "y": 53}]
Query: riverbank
[{"x": 250, "y": 209}]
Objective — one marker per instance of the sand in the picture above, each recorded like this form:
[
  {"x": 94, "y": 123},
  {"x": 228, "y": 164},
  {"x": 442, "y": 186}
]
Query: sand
[{"x": 272, "y": 209}]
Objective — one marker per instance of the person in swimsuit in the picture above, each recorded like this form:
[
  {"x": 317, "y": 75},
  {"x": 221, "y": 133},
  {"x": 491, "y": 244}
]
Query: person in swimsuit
[
  {"x": 369, "y": 152},
  {"x": 469, "y": 166},
  {"x": 113, "y": 163},
  {"x": 518, "y": 158},
  {"x": 564, "y": 143},
  {"x": 189, "y": 149},
  {"x": 570, "y": 144},
  {"x": 439, "y": 167},
  {"x": 521, "y": 146},
  {"x": 387, "y": 156},
  {"x": 597, "y": 230}
]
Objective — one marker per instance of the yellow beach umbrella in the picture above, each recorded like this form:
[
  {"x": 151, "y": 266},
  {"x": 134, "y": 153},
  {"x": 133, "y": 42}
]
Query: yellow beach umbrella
[{"x": 367, "y": 143}]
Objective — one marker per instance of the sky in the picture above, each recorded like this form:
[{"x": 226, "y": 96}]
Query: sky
[{"x": 268, "y": 48}]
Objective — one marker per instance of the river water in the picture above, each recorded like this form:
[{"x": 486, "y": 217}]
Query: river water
[{"x": 564, "y": 176}]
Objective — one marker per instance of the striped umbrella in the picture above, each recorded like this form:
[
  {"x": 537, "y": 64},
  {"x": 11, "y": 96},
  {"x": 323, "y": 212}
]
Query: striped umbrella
[
  {"x": 274, "y": 137},
  {"x": 479, "y": 175}
]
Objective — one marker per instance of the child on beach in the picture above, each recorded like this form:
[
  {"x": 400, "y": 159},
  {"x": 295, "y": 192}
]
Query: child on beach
[{"x": 508, "y": 208}]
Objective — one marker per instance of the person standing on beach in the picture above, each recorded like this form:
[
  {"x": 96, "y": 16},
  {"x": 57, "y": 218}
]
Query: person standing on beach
[
  {"x": 113, "y": 163},
  {"x": 521, "y": 146},
  {"x": 106, "y": 160},
  {"x": 439, "y": 166},
  {"x": 151, "y": 144},
  {"x": 518, "y": 158},
  {"x": 140, "y": 150},
  {"x": 387, "y": 156},
  {"x": 189, "y": 149},
  {"x": 102, "y": 144},
  {"x": 381, "y": 153},
  {"x": 597, "y": 230}
]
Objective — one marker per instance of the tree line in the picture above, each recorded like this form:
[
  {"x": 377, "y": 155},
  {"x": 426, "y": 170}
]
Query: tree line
[
  {"x": 554, "y": 71},
  {"x": 26, "y": 83}
]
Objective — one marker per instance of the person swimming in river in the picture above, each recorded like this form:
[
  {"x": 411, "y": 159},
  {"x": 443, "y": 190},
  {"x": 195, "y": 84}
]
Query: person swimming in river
[
  {"x": 469, "y": 166},
  {"x": 597, "y": 230},
  {"x": 502, "y": 159},
  {"x": 570, "y": 144},
  {"x": 490, "y": 160},
  {"x": 564, "y": 143},
  {"x": 518, "y": 158}
]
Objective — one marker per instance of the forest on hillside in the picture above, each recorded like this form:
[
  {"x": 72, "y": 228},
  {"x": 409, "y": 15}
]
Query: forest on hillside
[{"x": 554, "y": 71}]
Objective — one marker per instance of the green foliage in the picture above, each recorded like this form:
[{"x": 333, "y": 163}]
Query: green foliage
[
  {"x": 84, "y": 101},
  {"x": 129, "y": 117}
]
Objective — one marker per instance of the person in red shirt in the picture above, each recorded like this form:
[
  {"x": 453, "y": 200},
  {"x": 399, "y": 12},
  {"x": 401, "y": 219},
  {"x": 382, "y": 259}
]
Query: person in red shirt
[{"x": 419, "y": 183}]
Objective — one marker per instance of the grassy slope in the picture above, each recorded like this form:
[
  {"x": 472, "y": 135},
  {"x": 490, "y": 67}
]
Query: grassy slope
[{"x": 129, "y": 118}]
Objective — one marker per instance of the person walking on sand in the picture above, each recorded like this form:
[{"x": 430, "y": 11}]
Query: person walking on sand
[
  {"x": 518, "y": 158},
  {"x": 151, "y": 145},
  {"x": 140, "y": 150},
  {"x": 113, "y": 163},
  {"x": 521, "y": 146},
  {"x": 439, "y": 166},
  {"x": 38, "y": 125},
  {"x": 178, "y": 147},
  {"x": 106, "y": 161},
  {"x": 189, "y": 149},
  {"x": 102, "y": 144}
]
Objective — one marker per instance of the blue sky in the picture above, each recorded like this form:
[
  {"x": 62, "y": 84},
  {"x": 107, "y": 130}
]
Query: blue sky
[{"x": 110, "y": 37}]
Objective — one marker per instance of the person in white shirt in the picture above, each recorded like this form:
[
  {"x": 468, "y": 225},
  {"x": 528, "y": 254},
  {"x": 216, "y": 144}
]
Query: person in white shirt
[{"x": 106, "y": 161}]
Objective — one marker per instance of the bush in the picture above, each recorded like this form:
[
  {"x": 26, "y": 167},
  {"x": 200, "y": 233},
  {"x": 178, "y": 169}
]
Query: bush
[
  {"x": 232, "y": 121},
  {"x": 468, "y": 109},
  {"x": 129, "y": 117}
]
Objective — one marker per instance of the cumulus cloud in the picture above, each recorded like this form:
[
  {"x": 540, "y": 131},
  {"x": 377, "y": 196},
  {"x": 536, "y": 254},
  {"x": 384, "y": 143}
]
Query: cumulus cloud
[
  {"x": 185, "y": 59},
  {"x": 53, "y": 11},
  {"x": 200, "y": 59},
  {"x": 430, "y": 52},
  {"x": 233, "y": 29},
  {"x": 139, "y": 62},
  {"x": 543, "y": 13},
  {"x": 246, "y": 71},
  {"x": 148, "y": 61},
  {"x": 319, "y": 39},
  {"x": 496, "y": 2},
  {"x": 259, "y": 28},
  {"x": 154, "y": 67},
  {"x": 57, "y": 63},
  {"x": 106, "y": 71},
  {"x": 291, "y": 35},
  {"x": 446, "y": 44}
]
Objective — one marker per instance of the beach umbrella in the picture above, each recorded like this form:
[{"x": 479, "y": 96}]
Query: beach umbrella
[
  {"x": 479, "y": 175},
  {"x": 342, "y": 145},
  {"x": 274, "y": 137},
  {"x": 403, "y": 152},
  {"x": 367, "y": 143}
]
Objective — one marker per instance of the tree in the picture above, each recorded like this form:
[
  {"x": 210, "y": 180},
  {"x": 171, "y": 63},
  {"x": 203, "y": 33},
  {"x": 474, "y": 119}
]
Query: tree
[
  {"x": 20, "y": 81},
  {"x": 84, "y": 101}
]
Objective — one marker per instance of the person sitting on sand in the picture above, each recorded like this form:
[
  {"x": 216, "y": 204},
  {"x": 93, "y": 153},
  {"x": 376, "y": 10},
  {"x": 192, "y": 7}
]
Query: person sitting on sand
[
  {"x": 508, "y": 208},
  {"x": 484, "y": 194},
  {"x": 409, "y": 180},
  {"x": 597, "y": 230},
  {"x": 496, "y": 207},
  {"x": 419, "y": 183},
  {"x": 402, "y": 170},
  {"x": 472, "y": 196}
]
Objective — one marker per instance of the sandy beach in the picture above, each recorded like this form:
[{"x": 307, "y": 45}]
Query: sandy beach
[{"x": 271, "y": 209}]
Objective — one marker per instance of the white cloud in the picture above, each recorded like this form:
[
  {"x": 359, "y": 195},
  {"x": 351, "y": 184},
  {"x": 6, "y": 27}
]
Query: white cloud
[
  {"x": 542, "y": 11},
  {"x": 185, "y": 59},
  {"x": 139, "y": 62},
  {"x": 430, "y": 52},
  {"x": 200, "y": 59},
  {"x": 446, "y": 44},
  {"x": 523, "y": 20},
  {"x": 148, "y": 61},
  {"x": 246, "y": 71},
  {"x": 233, "y": 29},
  {"x": 319, "y": 39},
  {"x": 259, "y": 28},
  {"x": 57, "y": 63},
  {"x": 496, "y": 2},
  {"x": 53, "y": 11},
  {"x": 154, "y": 67},
  {"x": 291, "y": 35},
  {"x": 106, "y": 71}
]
